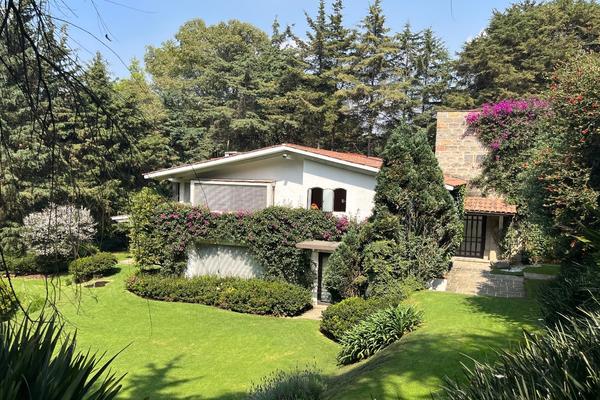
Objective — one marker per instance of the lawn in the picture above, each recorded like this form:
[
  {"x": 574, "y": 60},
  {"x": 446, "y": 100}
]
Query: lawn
[{"x": 190, "y": 351}]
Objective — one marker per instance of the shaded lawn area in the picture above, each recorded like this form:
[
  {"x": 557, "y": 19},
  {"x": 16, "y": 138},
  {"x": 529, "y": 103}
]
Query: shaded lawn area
[
  {"x": 190, "y": 351},
  {"x": 455, "y": 326}
]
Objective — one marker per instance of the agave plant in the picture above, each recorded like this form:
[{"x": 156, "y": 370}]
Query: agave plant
[{"x": 39, "y": 360}]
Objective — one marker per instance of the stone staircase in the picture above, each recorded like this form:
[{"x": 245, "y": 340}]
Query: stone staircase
[{"x": 474, "y": 277}]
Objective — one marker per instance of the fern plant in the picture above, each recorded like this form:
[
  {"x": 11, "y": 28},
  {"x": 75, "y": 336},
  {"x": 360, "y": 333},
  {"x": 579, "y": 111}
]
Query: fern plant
[{"x": 39, "y": 360}]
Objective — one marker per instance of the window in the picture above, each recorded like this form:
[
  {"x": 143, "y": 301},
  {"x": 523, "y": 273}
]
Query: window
[
  {"x": 175, "y": 191},
  {"x": 315, "y": 198},
  {"x": 327, "y": 200},
  {"x": 230, "y": 196},
  {"x": 339, "y": 200}
]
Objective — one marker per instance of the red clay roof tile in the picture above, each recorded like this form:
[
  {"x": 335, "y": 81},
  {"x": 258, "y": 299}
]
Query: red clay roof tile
[{"x": 488, "y": 205}]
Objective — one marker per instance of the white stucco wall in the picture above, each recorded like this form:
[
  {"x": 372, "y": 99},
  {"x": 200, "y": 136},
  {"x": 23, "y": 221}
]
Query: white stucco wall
[
  {"x": 294, "y": 175},
  {"x": 360, "y": 188}
]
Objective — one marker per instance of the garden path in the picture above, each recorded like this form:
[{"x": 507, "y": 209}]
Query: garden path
[
  {"x": 475, "y": 278},
  {"x": 314, "y": 313}
]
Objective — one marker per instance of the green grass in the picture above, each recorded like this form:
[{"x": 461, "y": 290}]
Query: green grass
[
  {"x": 190, "y": 351},
  {"x": 544, "y": 269},
  {"x": 455, "y": 326}
]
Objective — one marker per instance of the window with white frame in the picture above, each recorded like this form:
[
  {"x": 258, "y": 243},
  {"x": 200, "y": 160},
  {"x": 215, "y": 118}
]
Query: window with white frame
[{"x": 327, "y": 200}]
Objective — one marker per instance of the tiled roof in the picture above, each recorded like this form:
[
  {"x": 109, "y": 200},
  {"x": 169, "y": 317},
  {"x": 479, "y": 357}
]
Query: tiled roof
[
  {"x": 488, "y": 205},
  {"x": 355, "y": 158},
  {"x": 452, "y": 181}
]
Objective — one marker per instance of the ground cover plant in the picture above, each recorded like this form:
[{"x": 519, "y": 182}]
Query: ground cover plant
[
  {"x": 209, "y": 352},
  {"x": 253, "y": 296}
]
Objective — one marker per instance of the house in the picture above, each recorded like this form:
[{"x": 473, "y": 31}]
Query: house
[{"x": 342, "y": 183}]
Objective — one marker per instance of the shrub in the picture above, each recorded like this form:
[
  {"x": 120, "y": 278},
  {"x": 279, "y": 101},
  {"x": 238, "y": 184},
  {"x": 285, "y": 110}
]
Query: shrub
[
  {"x": 39, "y": 360},
  {"x": 59, "y": 230},
  {"x": 12, "y": 241},
  {"x": 99, "y": 264},
  {"x": 30, "y": 264},
  {"x": 253, "y": 296},
  {"x": 25, "y": 265},
  {"x": 162, "y": 234},
  {"x": 340, "y": 318},
  {"x": 290, "y": 385},
  {"x": 561, "y": 363},
  {"x": 376, "y": 332}
]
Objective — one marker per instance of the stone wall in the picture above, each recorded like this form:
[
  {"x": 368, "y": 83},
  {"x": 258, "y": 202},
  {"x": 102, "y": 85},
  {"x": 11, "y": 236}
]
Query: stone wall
[{"x": 458, "y": 155}]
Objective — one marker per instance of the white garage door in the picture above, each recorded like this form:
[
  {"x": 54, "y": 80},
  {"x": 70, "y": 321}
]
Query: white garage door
[{"x": 222, "y": 260}]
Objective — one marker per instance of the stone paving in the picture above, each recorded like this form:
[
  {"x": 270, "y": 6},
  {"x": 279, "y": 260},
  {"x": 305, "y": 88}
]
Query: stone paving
[
  {"x": 314, "y": 313},
  {"x": 475, "y": 278}
]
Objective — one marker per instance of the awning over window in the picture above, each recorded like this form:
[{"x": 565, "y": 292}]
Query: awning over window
[{"x": 489, "y": 205}]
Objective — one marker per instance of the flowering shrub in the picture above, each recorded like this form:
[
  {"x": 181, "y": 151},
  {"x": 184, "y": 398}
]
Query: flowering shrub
[
  {"x": 164, "y": 235},
  {"x": 59, "y": 230}
]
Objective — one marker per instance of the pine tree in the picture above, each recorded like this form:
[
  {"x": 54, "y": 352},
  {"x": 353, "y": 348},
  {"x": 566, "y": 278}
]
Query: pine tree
[{"x": 375, "y": 93}]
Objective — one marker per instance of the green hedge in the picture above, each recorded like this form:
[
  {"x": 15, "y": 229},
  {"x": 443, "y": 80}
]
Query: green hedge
[
  {"x": 30, "y": 264},
  {"x": 252, "y": 296},
  {"x": 162, "y": 232},
  {"x": 99, "y": 264},
  {"x": 377, "y": 331}
]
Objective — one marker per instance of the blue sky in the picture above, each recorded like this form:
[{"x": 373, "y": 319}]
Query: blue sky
[{"x": 132, "y": 25}]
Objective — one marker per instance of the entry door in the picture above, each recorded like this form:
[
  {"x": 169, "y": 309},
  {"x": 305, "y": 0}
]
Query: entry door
[
  {"x": 473, "y": 244},
  {"x": 321, "y": 293}
]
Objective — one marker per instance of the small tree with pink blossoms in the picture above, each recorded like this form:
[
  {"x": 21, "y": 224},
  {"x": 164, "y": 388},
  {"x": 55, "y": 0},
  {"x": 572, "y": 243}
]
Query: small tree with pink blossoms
[{"x": 59, "y": 230}]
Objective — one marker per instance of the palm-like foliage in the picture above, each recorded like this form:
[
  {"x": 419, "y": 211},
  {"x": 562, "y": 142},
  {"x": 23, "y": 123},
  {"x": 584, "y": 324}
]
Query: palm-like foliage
[
  {"x": 39, "y": 360},
  {"x": 561, "y": 364}
]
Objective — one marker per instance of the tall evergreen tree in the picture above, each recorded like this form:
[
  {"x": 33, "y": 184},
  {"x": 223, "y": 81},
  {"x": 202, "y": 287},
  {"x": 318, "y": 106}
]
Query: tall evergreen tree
[
  {"x": 415, "y": 219},
  {"x": 517, "y": 52}
]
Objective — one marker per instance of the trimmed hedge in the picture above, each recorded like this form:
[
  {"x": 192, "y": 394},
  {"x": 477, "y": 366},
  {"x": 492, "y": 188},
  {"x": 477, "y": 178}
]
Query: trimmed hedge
[
  {"x": 30, "y": 264},
  {"x": 85, "y": 268},
  {"x": 252, "y": 296},
  {"x": 377, "y": 331}
]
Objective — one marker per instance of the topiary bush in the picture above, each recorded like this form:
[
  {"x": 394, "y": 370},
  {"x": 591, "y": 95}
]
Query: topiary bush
[
  {"x": 377, "y": 331},
  {"x": 99, "y": 264},
  {"x": 290, "y": 385},
  {"x": 252, "y": 296},
  {"x": 561, "y": 363}
]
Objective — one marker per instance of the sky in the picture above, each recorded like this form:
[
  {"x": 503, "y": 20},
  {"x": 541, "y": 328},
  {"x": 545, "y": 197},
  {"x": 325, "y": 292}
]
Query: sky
[{"x": 131, "y": 25}]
